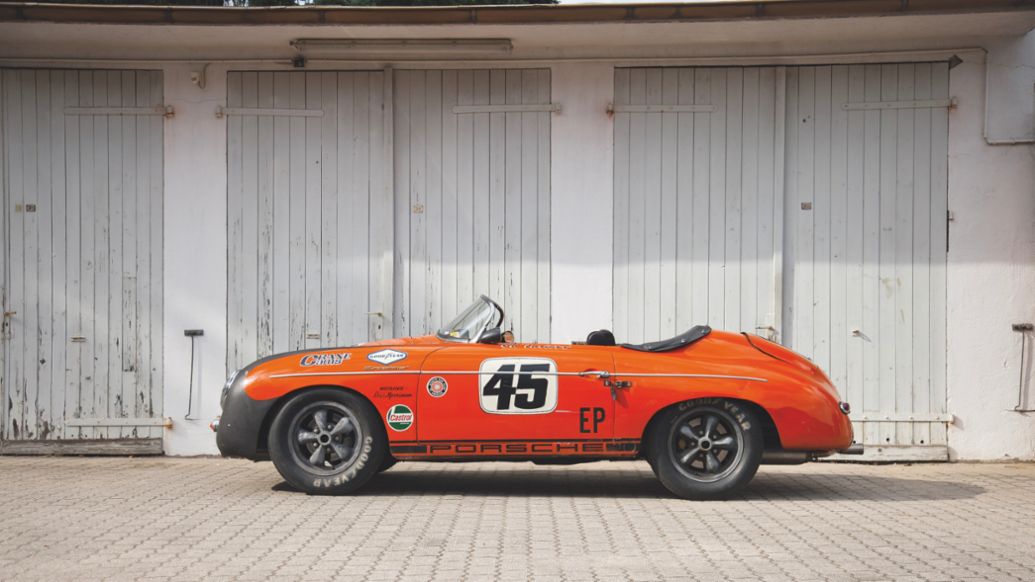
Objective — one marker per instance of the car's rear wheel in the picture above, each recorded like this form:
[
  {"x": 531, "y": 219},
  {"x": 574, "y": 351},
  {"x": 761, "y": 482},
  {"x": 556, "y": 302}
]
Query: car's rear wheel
[
  {"x": 327, "y": 441},
  {"x": 707, "y": 448}
]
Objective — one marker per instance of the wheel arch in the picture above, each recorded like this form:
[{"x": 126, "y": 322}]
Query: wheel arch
[
  {"x": 262, "y": 446},
  {"x": 770, "y": 434}
]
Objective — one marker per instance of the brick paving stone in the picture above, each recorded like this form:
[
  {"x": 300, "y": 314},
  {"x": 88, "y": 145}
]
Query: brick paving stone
[{"x": 218, "y": 519}]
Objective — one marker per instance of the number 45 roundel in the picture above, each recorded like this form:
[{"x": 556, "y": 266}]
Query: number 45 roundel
[{"x": 518, "y": 385}]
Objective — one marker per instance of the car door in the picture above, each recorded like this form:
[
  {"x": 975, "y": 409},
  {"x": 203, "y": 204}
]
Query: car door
[{"x": 516, "y": 392}]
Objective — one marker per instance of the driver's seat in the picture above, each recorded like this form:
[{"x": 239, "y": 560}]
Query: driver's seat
[{"x": 601, "y": 337}]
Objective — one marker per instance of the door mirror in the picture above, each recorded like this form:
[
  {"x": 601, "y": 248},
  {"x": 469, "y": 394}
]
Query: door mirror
[{"x": 491, "y": 336}]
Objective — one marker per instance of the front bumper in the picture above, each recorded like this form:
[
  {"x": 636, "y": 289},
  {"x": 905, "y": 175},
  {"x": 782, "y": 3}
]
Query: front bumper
[{"x": 239, "y": 428}]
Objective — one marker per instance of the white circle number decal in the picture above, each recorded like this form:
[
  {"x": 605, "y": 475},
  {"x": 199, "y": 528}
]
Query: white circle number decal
[{"x": 518, "y": 385}]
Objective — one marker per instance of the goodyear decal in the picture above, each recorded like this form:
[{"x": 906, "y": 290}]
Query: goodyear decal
[{"x": 385, "y": 357}]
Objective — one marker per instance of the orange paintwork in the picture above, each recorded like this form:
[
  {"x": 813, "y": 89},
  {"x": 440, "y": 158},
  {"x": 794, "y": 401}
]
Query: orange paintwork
[{"x": 799, "y": 398}]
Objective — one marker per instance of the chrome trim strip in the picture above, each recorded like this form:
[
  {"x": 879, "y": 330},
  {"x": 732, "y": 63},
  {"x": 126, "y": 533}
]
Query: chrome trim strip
[{"x": 587, "y": 373}]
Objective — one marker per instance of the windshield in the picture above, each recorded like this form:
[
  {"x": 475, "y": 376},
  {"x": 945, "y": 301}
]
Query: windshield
[{"x": 481, "y": 315}]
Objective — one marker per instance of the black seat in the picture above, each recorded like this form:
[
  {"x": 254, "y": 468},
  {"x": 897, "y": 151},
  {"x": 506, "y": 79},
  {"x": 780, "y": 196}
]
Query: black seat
[
  {"x": 600, "y": 337},
  {"x": 684, "y": 339}
]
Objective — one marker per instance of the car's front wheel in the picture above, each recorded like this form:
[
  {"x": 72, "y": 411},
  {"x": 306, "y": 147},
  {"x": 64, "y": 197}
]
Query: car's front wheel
[
  {"x": 327, "y": 441},
  {"x": 706, "y": 448}
]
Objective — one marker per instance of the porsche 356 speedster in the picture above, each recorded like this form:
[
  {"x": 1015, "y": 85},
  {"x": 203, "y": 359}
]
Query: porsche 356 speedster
[{"x": 704, "y": 408}]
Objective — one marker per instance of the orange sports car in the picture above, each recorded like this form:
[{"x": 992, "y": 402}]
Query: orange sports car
[{"x": 704, "y": 408}]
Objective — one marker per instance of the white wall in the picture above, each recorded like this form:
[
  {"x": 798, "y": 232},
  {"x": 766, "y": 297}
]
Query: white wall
[
  {"x": 195, "y": 256},
  {"x": 991, "y": 271}
]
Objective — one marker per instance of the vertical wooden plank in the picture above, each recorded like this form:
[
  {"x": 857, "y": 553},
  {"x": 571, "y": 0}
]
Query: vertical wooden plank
[
  {"x": 903, "y": 261},
  {"x": 512, "y": 204},
  {"x": 450, "y": 223},
  {"x": 543, "y": 260},
  {"x": 330, "y": 270},
  {"x": 350, "y": 188},
  {"x": 717, "y": 197},
  {"x": 781, "y": 120},
  {"x": 821, "y": 220},
  {"x": 142, "y": 300},
  {"x": 359, "y": 192},
  {"x": 127, "y": 272},
  {"x": 418, "y": 202},
  {"x": 871, "y": 257},
  {"x": 497, "y": 147},
  {"x": 482, "y": 176},
  {"x": 14, "y": 134},
  {"x": 886, "y": 268},
  {"x": 432, "y": 307},
  {"x": 101, "y": 225},
  {"x": 313, "y": 242},
  {"x": 31, "y": 302},
  {"x": 465, "y": 191},
  {"x": 733, "y": 250},
  {"x": 281, "y": 219},
  {"x": 401, "y": 181},
  {"x": 838, "y": 326},
  {"x": 249, "y": 220},
  {"x": 637, "y": 220},
  {"x": 686, "y": 171},
  {"x": 528, "y": 252},
  {"x": 43, "y": 420},
  {"x": 767, "y": 117},
  {"x": 939, "y": 244},
  {"x": 854, "y": 244},
  {"x": 756, "y": 81},
  {"x": 59, "y": 340},
  {"x": 669, "y": 226},
  {"x": 701, "y": 187},
  {"x": 804, "y": 247},
  {"x": 113, "y": 297},
  {"x": 74, "y": 257},
  {"x": 298, "y": 273},
  {"x": 921, "y": 257},
  {"x": 622, "y": 161},
  {"x": 650, "y": 193},
  {"x": 5, "y": 279},
  {"x": 235, "y": 226},
  {"x": 156, "y": 231},
  {"x": 787, "y": 268},
  {"x": 381, "y": 236},
  {"x": 265, "y": 218}
]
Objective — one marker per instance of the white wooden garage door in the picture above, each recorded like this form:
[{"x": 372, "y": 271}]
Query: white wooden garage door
[
  {"x": 804, "y": 203},
  {"x": 472, "y": 195},
  {"x": 313, "y": 225},
  {"x": 698, "y": 190},
  {"x": 308, "y": 205},
  {"x": 867, "y": 200},
  {"x": 82, "y": 261}
]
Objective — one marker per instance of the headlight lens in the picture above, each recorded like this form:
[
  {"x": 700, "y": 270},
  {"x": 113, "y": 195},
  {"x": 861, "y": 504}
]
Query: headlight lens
[{"x": 226, "y": 387}]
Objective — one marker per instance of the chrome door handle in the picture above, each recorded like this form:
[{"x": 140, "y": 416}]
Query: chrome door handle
[{"x": 602, "y": 374}]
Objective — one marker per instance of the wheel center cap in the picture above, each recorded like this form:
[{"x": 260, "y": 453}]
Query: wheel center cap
[
  {"x": 324, "y": 438},
  {"x": 705, "y": 444}
]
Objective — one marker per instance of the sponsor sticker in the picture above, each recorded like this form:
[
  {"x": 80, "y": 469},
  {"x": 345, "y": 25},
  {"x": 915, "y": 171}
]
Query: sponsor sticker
[
  {"x": 385, "y": 357},
  {"x": 437, "y": 387},
  {"x": 399, "y": 417},
  {"x": 323, "y": 359}
]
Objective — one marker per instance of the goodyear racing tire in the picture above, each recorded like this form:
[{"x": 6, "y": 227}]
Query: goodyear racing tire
[
  {"x": 327, "y": 441},
  {"x": 707, "y": 448}
]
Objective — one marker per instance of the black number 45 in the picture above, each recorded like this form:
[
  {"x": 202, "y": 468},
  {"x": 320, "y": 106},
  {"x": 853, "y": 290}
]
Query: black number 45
[{"x": 502, "y": 386}]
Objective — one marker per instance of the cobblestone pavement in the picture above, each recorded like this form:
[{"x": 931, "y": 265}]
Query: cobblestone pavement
[{"x": 193, "y": 519}]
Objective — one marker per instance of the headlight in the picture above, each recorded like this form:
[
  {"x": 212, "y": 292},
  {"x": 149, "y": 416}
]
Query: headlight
[{"x": 226, "y": 387}]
